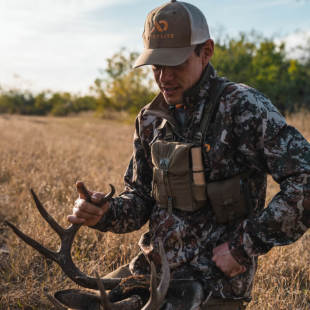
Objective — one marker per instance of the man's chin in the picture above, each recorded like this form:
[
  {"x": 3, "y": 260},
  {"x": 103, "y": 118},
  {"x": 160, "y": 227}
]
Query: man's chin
[{"x": 173, "y": 100}]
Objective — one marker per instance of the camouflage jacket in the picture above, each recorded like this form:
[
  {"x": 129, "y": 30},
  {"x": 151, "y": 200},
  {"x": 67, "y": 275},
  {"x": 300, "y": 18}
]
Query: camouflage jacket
[{"x": 247, "y": 134}]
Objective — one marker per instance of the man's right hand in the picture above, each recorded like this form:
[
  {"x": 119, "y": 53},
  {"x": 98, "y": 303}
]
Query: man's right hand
[{"x": 88, "y": 213}]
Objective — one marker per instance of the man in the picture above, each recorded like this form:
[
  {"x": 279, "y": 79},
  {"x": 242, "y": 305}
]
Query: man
[{"x": 212, "y": 231}]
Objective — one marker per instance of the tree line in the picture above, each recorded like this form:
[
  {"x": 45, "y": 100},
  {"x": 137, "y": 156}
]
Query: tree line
[{"x": 250, "y": 59}]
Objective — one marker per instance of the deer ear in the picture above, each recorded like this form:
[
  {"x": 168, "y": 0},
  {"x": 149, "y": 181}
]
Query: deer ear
[{"x": 78, "y": 299}]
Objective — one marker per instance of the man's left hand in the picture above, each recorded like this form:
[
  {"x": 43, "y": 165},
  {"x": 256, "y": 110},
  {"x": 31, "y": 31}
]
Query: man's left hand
[{"x": 226, "y": 262}]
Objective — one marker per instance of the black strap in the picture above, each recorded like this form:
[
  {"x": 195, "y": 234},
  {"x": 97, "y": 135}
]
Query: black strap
[
  {"x": 217, "y": 87},
  {"x": 211, "y": 108}
]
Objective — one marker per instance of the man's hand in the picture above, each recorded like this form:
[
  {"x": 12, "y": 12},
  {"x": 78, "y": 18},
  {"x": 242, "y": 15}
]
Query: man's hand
[
  {"x": 88, "y": 213},
  {"x": 226, "y": 262}
]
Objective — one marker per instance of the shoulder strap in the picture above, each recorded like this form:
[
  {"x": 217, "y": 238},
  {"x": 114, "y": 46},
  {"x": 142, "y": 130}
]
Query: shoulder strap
[
  {"x": 211, "y": 108},
  {"x": 216, "y": 90}
]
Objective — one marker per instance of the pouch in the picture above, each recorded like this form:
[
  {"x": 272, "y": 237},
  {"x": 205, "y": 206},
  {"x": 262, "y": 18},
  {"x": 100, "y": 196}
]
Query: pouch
[
  {"x": 172, "y": 177},
  {"x": 227, "y": 199}
]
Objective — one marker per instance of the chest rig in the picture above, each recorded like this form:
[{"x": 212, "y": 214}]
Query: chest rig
[{"x": 178, "y": 171}]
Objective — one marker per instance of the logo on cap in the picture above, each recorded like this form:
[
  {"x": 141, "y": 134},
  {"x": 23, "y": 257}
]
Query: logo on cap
[
  {"x": 159, "y": 30},
  {"x": 161, "y": 26}
]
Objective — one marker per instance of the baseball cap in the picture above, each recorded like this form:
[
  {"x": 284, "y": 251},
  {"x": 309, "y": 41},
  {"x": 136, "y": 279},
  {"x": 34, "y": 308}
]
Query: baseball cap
[{"x": 171, "y": 33}]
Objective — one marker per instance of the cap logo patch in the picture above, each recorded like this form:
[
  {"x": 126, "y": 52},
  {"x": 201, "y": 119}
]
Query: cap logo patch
[
  {"x": 160, "y": 26},
  {"x": 159, "y": 30}
]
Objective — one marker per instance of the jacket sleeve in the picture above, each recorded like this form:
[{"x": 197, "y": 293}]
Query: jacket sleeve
[
  {"x": 265, "y": 138},
  {"x": 132, "y": 208}
]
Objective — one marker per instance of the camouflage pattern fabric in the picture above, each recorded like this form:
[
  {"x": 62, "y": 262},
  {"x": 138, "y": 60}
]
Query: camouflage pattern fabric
[{"x": 248, "y": 134}]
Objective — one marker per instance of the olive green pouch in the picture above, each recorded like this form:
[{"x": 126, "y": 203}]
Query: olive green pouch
[
  {"x": 172, "y": 177},
  {"x": 227, "y": 199}
]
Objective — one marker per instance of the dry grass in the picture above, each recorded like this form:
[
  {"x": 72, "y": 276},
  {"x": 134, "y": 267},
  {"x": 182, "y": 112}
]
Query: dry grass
[{"x": 49, "y": 155}]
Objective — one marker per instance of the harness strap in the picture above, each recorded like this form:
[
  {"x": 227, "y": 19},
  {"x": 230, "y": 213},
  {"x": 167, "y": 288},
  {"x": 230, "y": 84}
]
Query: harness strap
[
  {"x": 216, "y": 90},
  {"x": 210, "y": 109}
]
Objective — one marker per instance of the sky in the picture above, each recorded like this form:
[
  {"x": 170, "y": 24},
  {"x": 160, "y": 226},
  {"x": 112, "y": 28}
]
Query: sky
[{"x": 61, "y": 45}]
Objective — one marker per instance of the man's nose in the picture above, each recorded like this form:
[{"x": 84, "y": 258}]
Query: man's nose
[{"x": 166, "y": 74}]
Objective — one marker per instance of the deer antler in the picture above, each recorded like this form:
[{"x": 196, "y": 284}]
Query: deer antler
[
  {"x": 158, "y": 294},
  {"x": 63, "y": 256},
  {"x": 132, "y": 303},
  {"x": 64, "y": 260}
]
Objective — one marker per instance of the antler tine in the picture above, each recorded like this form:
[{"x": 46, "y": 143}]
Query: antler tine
[
  {"x": 82, "y": 189},
  {"x": 158, "y": 294},
  {"x": 58, "y": 229},
  {"x": 165, "y": 276},
  {"x": 55, "y": 302},
  {"x": 132, "y": 303},
  {"x": 47, "y": 253},
  {"x": 110, "y": 195},
  {"x": 103, "y": 295},
  {"x": 63, "y": 256}
]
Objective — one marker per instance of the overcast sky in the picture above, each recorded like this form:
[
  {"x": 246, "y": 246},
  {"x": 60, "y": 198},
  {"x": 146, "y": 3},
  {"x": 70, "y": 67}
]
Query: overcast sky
[{"x": 61, "y": 44}]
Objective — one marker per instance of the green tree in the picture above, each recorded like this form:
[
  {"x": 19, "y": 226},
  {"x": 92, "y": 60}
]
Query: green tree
[
  {"x": 263, "y": 64},
  {"x": 84, "y": 103},
  {"x": 233, "y": 58},
  {"x": 16, "y": 101},
  {"x": 42, "y": 105},
  {"x": 121, "y": 88}
]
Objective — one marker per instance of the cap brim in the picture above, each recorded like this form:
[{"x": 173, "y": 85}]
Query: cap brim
[{"x": 164, "y": 56}]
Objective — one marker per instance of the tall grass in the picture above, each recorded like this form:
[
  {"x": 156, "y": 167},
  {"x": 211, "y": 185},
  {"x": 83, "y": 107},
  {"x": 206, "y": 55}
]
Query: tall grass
[{"x": 50, "y": 155}]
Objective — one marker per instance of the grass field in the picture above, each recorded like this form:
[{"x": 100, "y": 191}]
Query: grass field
[{"x": 50, "y": 155}]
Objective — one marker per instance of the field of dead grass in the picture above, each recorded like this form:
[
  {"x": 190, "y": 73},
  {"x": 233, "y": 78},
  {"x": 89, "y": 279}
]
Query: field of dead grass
[{"x": 49, "y": 155}]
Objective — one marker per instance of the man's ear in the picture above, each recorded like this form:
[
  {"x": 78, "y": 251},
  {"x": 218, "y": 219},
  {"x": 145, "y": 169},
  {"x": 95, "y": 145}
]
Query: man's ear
[{"x": 207, "y": 51}]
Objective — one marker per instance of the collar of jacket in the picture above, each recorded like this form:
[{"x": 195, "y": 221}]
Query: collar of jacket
[
  {"x": 159, "y": 107},
  {"x": 200, "y": 89}
]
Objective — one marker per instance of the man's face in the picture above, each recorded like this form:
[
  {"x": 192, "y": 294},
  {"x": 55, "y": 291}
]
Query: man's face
[{"x": 173, "y": 81}]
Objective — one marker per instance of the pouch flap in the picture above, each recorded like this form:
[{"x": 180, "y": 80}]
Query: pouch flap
[{"x": 172, "y": 156}]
